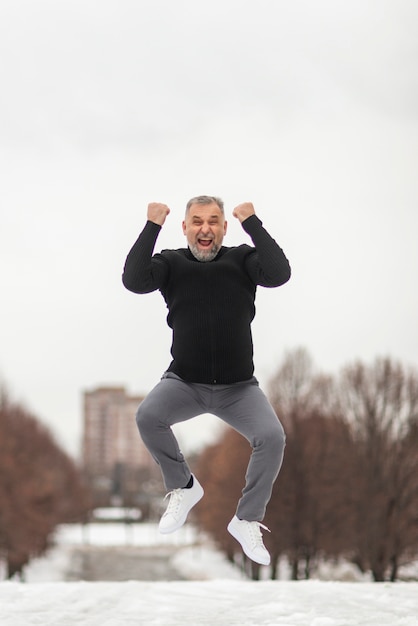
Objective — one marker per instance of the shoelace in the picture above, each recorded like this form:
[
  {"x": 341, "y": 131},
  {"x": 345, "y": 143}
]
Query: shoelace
[
  {"x": 255, "y": 533},
  {"x": 176, "y": 497}
]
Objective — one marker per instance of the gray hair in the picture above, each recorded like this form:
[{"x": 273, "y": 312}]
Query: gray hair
[{"x": 205, "y": 200}]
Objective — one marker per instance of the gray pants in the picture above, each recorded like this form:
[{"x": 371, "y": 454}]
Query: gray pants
[{"x": 241, "y": 405}]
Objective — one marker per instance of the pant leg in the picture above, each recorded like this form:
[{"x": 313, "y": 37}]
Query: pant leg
[
  {"x": 170, "y": 402},
  {"x": 245, "y": 407}
]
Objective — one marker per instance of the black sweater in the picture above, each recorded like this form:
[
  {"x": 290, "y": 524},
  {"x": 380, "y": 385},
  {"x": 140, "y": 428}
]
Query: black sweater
[{"x": 210, "y": 304}]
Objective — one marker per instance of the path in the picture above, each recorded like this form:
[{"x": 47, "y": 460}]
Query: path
[{"x": 121, "y": 563}]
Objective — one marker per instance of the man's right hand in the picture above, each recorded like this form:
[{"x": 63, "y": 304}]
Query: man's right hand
[{"x": 157, "y": 212}]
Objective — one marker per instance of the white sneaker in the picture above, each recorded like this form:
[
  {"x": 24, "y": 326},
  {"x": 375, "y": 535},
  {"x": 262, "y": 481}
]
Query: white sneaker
[
  {"x": 181, "y": 501},
  {"x": 248, "y": 534}
]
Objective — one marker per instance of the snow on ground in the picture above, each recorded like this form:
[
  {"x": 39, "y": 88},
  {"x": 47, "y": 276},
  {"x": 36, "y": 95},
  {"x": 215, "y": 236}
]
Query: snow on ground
[
  {"x": 216, "y": 595},
  {"x": 215, "y": 603}
]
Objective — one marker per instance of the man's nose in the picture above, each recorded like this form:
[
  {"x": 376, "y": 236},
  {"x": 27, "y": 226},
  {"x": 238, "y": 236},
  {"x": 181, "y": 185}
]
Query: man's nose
[{"x": 205, "y": 230}]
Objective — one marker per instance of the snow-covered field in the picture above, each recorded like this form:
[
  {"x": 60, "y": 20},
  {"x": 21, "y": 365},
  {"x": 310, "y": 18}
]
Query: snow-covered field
[
  {"x": 217, "y": 602},
  {"x": 217, "y": 593}
]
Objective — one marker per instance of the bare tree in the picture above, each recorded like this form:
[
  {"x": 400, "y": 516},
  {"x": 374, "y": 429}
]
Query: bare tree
[
  {"x": 309, "y": 513},
  {"x": 308, "y": 506},
  {"x": 40, "y": 486},
  {"x": 290, "y": 387},
  {"x": 380, "y": 403}
]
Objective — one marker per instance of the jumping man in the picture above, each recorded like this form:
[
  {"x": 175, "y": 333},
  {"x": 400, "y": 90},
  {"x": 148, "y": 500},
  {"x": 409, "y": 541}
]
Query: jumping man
[{"x": 209, "y": 290}]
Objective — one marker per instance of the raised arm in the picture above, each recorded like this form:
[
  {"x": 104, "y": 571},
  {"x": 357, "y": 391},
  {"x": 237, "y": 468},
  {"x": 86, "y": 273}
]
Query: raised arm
[
  {"x": 267, "y": 265},
  {"x": 143, "y": 272}
]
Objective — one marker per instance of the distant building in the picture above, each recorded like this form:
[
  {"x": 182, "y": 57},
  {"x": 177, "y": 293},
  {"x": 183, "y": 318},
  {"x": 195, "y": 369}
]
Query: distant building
[{"x": 115, "y": 461}]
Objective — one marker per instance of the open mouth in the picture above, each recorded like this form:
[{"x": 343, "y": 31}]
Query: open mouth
[{"x": 205, "y": 243}]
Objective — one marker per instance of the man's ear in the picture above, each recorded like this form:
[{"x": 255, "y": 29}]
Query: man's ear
[
  {"x": 225, "y": 227},
  {"x": 184, "y": 227}
]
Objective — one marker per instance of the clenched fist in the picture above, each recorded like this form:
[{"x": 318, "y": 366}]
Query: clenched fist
[
  {"x": 157, "y": 212},
  {"x": 244, "y": 210}
]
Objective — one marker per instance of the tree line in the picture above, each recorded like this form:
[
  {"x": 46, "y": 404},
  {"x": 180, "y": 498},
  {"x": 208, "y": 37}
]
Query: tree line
[
  {"x": 40, "y": 486},
  {"x": 348, "y": 487}
]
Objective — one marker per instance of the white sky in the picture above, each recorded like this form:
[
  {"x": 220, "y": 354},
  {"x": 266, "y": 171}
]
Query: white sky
[{"x": 308, "y": 109}]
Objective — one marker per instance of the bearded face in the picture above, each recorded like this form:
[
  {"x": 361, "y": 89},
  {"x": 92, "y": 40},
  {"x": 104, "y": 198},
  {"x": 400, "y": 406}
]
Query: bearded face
[{"x": 204, "y": 227}]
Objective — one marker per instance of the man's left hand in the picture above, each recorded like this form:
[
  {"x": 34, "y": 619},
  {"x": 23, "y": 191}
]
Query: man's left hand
[{"x": 244, "y": 210}]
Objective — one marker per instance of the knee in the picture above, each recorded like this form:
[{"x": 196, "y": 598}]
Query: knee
[
  {"x": 273, "y": 437},
  {"x": 145, "y": 418},
  {"x": 140, "y": 417},
  {"x": 278, "y": 436},
  {"x": 282, "y": 435}
]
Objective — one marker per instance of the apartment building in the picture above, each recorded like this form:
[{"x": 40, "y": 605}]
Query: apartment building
[{"x": 115, "y": 460}]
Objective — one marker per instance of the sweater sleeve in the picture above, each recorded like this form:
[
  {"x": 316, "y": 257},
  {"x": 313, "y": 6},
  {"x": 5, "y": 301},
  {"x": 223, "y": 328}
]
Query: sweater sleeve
[
  {"x": 267, "y": 265},
  {"x": 143, "y": 272}
]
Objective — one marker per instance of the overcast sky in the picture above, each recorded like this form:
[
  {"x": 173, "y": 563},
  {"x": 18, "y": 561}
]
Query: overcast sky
[{"x": 307, "y": 109}]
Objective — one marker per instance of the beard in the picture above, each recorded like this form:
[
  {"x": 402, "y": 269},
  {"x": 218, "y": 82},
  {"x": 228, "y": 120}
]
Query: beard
[{"x": 203, "y": 255}]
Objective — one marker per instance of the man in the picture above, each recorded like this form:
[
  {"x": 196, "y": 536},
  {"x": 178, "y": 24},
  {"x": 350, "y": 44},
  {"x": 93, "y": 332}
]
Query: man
[{"x": 210, "y": 291}]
